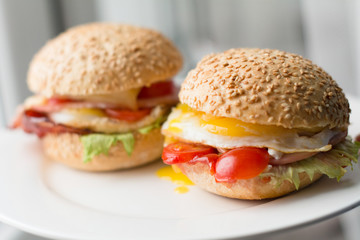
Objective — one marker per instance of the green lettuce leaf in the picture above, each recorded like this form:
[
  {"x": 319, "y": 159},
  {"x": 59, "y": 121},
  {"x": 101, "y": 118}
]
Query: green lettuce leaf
[
  {"x": 331, "y": 163},
  {"x": 95, "y": 144},
  {"x": 149, "y": 128}
]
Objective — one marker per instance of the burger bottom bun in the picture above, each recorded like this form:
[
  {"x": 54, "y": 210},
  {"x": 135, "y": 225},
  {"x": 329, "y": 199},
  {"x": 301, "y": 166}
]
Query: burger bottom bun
[
  {"x": 67, "y": 148},
  {"x": 251, "y": 189}
]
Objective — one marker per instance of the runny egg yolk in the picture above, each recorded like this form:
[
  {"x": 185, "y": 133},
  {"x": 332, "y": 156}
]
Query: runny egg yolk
[
  {"x": 174, "y": 174},
  {"x": 223, "y": 125}
]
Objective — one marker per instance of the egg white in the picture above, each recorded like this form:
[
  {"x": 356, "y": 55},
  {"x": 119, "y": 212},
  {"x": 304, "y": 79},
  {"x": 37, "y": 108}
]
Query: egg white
[
  {"x": 191, "y": 130},
  {"x": 80, "y": 118}
]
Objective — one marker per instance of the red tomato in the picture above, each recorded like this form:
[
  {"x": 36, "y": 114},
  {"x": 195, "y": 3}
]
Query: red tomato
[
  {"x": 209, "y": 159},
  {"x": 241, "y": 163},
  {"x": 158, "y": 89},
  {"x": 128, "y": 115},
  {"x": 35, "y": 114},
  {"x": 184, "y": 152}
]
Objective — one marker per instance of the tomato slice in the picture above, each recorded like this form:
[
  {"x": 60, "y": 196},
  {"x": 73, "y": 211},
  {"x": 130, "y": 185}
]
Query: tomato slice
[
  {"x": 241, "y": 163},
  {"x": 128, "y": 115},
  {"x": 184, "y": 152},
  {"x": 158, "y": 89},
  {"x": 35, "y": 114}
]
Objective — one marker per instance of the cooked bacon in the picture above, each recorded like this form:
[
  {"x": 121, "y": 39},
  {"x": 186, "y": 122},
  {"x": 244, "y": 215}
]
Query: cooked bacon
[
  {"x": 338, "y": 138},
  {"x": 294, "y": 157},
  {"x": 39, "y": 124},
  {"x": 291, "y": 157},
  {"x": 16, "y": 122}
]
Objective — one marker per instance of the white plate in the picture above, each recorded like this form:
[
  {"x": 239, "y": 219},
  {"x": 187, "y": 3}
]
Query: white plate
[{"x": 50, "y": 200}]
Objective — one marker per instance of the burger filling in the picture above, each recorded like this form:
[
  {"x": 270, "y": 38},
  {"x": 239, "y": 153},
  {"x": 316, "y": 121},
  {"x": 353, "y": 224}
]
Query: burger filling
[
  {"x": 236, "y": 150},
  {"x": 102, "y": 121}
]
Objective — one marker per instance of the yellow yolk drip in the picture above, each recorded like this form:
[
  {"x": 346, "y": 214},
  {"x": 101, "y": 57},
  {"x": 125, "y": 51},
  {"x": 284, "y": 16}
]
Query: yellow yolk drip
[
  {"x": 181, "y": 189},
  {"x": 223, "y": 125},
  {"x": 174, "y": 174}
]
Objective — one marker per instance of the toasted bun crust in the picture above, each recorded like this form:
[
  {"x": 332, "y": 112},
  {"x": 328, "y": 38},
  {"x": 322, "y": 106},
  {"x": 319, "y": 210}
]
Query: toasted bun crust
[
  {"x": 251, "y": 189},
  {"x": 67, "y": 149},
  {"x": 268, "y": 87},
  {"x": 102, "y": 58}
]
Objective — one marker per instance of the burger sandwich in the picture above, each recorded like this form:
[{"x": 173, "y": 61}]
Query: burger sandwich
[
  {"x": 257, "y": 124},
  {"x": 102, "y": 92}
]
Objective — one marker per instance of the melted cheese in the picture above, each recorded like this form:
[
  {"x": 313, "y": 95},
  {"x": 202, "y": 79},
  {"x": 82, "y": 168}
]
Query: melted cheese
[{"x": 125, "y": 99}]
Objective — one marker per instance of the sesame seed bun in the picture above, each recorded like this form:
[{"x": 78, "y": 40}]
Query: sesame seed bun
[
  {"x": 67, "y": 148},
  {"x": 264, "y": 86},
  {"x": 102, "y": 58},
  {"x": 250, "y": 189}
]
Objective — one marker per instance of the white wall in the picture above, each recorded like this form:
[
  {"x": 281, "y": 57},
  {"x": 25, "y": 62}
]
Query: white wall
[
  {"x": 355, "y": 13},
  {"x": 75, "y": 12},
  {"x": 328, "y": 29},
  {"x": 24, "y": 27},
  {"x": 156, "y": 14}
]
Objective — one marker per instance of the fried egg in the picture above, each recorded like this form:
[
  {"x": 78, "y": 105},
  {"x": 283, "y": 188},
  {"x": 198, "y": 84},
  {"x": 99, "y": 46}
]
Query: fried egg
[
  {"x": 190, "y": 125},
  {"x": 98, "y": 121}
]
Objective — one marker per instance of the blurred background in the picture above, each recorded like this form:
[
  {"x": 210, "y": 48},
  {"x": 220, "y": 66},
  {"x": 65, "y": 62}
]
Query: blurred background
[{"x": 326, "y": 31}]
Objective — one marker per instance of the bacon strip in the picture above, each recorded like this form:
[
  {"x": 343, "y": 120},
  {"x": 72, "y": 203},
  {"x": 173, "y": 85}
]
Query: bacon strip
[
  {"x": 39, "y": 124},
  {"x": 294, "y": 157},
  {"x": 291, "y": 157}
]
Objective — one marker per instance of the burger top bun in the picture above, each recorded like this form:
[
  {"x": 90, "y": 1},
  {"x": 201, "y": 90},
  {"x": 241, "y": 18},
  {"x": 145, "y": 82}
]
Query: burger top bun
[
  {"x": 102, "y": 58},
  {"x": 264, "y": 86}
]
